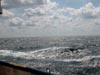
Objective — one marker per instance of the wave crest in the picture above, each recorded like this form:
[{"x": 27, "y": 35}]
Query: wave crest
[
  {"x": 56, "y": 54},
  {"x": 50, "y": 53}
]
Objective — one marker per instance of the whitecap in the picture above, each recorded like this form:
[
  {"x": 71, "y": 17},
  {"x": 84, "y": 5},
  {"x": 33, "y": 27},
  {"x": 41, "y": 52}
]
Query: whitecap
[{"x": 47, "y": 53}]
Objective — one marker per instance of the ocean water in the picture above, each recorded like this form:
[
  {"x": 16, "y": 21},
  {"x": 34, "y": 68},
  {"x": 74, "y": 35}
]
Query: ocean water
[{"x": 62, "y": 55}]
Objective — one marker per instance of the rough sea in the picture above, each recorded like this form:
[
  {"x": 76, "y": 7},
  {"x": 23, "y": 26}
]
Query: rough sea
[{"x": 77, "y": 55}]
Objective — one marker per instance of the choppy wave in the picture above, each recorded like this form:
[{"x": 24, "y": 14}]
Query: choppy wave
[
  {"x": 50, "y": 53},
  {"x": 56, "y": 54},
  {"x": 80, "y": 59}
]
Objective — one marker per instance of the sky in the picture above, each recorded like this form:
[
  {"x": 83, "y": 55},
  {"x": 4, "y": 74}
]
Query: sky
[{"x": 32, "y": 18}]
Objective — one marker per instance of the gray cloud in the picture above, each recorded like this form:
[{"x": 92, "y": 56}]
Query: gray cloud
[{"x": 7, "y": 4}]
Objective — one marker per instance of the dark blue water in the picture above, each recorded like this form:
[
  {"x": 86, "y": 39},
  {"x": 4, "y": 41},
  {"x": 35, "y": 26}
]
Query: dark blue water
[{"x": 62, "y": 55}]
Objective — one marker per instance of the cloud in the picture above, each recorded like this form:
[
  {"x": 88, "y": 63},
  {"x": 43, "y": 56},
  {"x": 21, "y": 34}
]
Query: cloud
[
  {"x": 35, "y": 16},
  {"x": 48, "y": 18},
  {"x": 42, "y": 7},
  {"x": 95, "y": 2},
  {"x": 54, "y": 17},
  {"x": 89, "y": 11},
  {"x": 6, "y": 14},
  {"x": 41, "y": 10},
  {"x": 37, "y": 11},
  {"x": 18, "y": 3},
  {"x": 16, "y": 21}
]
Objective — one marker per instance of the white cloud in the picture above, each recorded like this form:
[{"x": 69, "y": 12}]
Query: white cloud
[
  {"x": 95, "y": 2},
  {"x": 36, "y": 16},
  {"x": 44, "y": 16},
  {"x": 87, "y": 11},
  {"x": 16, "y": 21},
  {"x": 41, "y": 10},
  {"x": 55, "y": 20}
]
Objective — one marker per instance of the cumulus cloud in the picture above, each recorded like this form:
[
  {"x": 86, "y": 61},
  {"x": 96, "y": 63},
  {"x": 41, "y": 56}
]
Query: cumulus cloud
[
  {"x": 41, "y": 10},
  {"x": 95, "y": 2},
  {"x": 16, "y": 21},
  {"x": 37, "y": 11},
  {"x": 36, "y": 16},
  {"x": 87, "y": 11},
  {"x": 54, "y": 19}
]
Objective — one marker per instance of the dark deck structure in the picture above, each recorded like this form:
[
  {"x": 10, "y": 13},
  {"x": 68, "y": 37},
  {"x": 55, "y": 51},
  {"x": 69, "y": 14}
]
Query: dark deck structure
[
  {"x": 0, "y": 8},
  {"x": 15, "y": 69}
]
